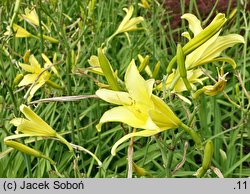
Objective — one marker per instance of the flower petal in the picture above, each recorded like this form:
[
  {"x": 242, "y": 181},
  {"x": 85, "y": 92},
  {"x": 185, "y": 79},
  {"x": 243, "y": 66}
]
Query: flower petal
[
  {"x": 20, "y": 32},
  {"x": 137, "y": 87},
  {"x": 33, "y": 62},
  {"x": 144, "y": 133},
  {"x": 28, "y": 79},
  {"x": 48, "y": 63},
  {"x": 17, "y": 121},
  {"x": 221, "y": 43},
  {"x": 35, "y": 88},
  {"x": 28, "y": 68},
  {"x": 114, "y": 97},
  {"x": 167, "y": 114},
  {"x": 29, "y": 127},
  {"x": 126, "y": 18},
  {"x": 31, "y": 16},
  {"x": 192, "y": 60},
  {"x": 194, "y": 23},
  {"x": 126, "y": 114},
  {"x": 33, "y": 117}
]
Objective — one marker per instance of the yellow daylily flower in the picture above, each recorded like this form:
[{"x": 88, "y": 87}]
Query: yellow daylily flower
[
  {"x": 207, "y": 52},
  {"x": 19, "y": 31},
  {"x": 35, "y": 71},
  {"x": 31, "y": 16},
  {"x": 48, "y": 63},
  {"x": 200, "y": 36},
  {"x": 144, "y": 4},
  {"x": 175, "y": 84},
  {"x": 193, "y": 77},
  {"x": 212, "y": 48},
  {"x": 33, "y": 125},
  {"x": 95, "y": 65},
  {"x": 139, "y": 108},
  {"x": 135, "y": 103},
  {"x": 128, "y": 23}
]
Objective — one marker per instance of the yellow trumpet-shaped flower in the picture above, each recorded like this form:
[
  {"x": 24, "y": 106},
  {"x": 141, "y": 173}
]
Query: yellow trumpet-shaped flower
[
  {"x": 19, "y": 31},
  {"x": 144, "y": 4},
  {"x": 193, "y": 77},
  {"x": 31, "y": 16},
  {"x": 212, "y": 48},
  {"x": 36, "y": 74},
  {"x": 207, "y": 52},
  {"x": 95, "y": 65},
  {"x": 134, "y": 104},
  {"x": 128, "y": 23},
  {"x": 33, "y": 125},
  {"x": 139, "y": 108}
]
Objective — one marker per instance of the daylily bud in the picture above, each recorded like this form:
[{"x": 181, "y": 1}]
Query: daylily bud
[
  {"x": 181, "y": 61},
  {"x": 52, "y": 40},
  {"x": 195, "y": 136},
  {"x": 223, "y": 156},
  {"x": 205, "y": 34},
  {"x": 206, "y": 163},
  {"x": 107, "y": 70},
  {"x": 26, "y": 56},
  {"x": 27, "y": 150},
  {"x": 181, "y": 65},
  {"x": 139, "y": 170},
  {"x": 144, "y": 62},
  {"x": 156, "y": 69},
  {"x": 53, "y": 84},
  {"x": 208, "y": 154},
  {"x": 17, "y": 79}
]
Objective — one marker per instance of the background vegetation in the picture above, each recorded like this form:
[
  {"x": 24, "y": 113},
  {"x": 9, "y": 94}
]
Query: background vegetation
[{"x": 81, "y": 27}]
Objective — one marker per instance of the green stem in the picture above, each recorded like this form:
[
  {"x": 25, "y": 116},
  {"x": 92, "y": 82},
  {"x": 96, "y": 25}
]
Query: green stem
[
  {"x": 193, "y": 134},
  {"x": 170, "y": 156},
  {"x": 64, "y": 141},
  {"x": 40, "y": 30}
]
